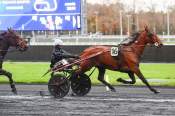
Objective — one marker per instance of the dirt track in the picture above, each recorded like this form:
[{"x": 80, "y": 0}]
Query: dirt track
[{"x": 127, "y": 101}]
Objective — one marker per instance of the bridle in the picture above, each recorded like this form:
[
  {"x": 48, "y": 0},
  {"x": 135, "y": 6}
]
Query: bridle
[
  {"x": 18, "y": 44},
  {"x": 141, "y": 45}
]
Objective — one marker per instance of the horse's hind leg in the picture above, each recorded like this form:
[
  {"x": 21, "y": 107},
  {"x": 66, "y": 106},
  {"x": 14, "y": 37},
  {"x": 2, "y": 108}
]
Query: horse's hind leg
[
  {"x": 9, "y": 75},
  {"x": 132, "y": 77},
  {"x": 101, "y": 78}
]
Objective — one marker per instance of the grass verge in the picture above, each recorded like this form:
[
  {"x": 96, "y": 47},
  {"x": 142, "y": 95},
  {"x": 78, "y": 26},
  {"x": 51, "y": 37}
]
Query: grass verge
[{"x": 158, "y": 74}]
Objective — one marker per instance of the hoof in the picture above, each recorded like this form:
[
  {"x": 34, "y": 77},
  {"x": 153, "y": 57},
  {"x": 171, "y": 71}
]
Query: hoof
[
  {"x": 72, "y": 94},
  {"x": 119, "y": 80},
  {"x": 41, "y": 93},
  {"x": 113, "y": 90},
  {"x": 156, "y": 92},
  {"x": 14, "y": 91},
  {"x": 14, "y": 88}
]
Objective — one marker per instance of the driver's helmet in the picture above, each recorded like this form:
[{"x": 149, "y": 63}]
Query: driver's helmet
[{"x": 58, "y": 42}]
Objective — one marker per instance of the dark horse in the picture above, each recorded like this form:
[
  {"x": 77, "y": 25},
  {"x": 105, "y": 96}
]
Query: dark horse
[
  {"x": 127, "y": 61},
  {"x": 10, "y": 39}
]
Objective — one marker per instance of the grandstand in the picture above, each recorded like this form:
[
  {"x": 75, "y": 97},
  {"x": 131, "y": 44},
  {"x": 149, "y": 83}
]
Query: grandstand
[{"x": 76, "y": 33}]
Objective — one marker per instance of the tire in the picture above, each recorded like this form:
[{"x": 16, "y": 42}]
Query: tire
[
  {"x": 58, "y": 86},
  {"x": 80, "y": 84}
]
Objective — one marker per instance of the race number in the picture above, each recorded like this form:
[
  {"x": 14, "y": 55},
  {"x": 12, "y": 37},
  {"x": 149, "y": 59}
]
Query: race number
[{"x": 114, "y": 51}]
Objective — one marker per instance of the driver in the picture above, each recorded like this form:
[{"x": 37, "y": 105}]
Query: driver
[{"x": 59, "y": 54}]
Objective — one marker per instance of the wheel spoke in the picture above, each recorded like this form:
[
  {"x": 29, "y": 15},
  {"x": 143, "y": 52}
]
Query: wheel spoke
[
  {"x": 80, "y": 84},
  {"x": 58, "y": 86},
  {"x": 62, "y": 88}
]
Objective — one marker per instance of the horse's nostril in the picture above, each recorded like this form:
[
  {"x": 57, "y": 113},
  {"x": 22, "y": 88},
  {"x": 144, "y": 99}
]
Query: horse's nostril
[
  {"x": 25, "y": 48},
  {"x": 160, "y": 45}
]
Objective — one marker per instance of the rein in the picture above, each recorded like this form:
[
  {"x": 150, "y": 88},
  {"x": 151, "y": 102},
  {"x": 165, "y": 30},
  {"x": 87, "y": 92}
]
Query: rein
[
  {"x": 140, "y": 45},
  {"x": 79, "y": 60},
  {"x": 134, "y": 45},
  {"x": 75, "y": 62},
  {"x": 13, "y": 50},
  {"x": 19, "y": 43}
]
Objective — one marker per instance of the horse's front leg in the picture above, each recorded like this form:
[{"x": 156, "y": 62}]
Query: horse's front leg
[
  {"x": 142, "y": 78},
  {"x": 9, "y": 75}
]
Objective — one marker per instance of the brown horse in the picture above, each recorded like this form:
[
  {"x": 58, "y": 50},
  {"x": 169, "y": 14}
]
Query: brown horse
[
  {"x": 127, "y": 61},
  {"x": 10, "y": 39}
]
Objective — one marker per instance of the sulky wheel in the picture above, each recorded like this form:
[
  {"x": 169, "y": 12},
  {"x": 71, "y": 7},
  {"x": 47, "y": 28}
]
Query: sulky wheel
[
  {"x": 80, "y": 84},
  {"x": 58, "y": 86}
]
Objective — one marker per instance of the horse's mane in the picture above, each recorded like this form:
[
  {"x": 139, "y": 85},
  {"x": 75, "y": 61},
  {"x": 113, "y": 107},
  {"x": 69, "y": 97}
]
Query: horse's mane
[
  {"x": 135, "y": 36},
  {"x": 131, "y": 39},
  {"x": 3, "y": 33}
]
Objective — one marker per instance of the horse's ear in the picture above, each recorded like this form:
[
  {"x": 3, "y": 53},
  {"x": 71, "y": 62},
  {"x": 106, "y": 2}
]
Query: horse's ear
[
  {"x": 10, "y": 29},
  {"x": 146, "y": 28}
]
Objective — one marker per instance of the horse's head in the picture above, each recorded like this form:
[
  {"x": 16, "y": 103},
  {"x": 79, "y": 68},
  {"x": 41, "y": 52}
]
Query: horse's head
[
  {"x": 152, "y": 38},
  {"x": 15, "y": 40}
]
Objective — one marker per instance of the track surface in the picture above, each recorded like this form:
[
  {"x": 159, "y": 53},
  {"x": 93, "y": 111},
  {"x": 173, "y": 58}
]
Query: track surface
[{"x": 127, "y": 101}]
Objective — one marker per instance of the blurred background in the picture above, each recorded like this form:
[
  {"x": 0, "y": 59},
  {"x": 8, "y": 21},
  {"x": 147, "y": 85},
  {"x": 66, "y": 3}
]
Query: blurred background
[
  {"x": 93, "y": 22},
  {"x": 115, "y": 17}
]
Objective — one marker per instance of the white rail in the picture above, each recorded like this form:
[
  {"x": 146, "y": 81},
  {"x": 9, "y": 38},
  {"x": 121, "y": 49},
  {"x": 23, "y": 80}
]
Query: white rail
[{"x": 91, "y": 39}]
